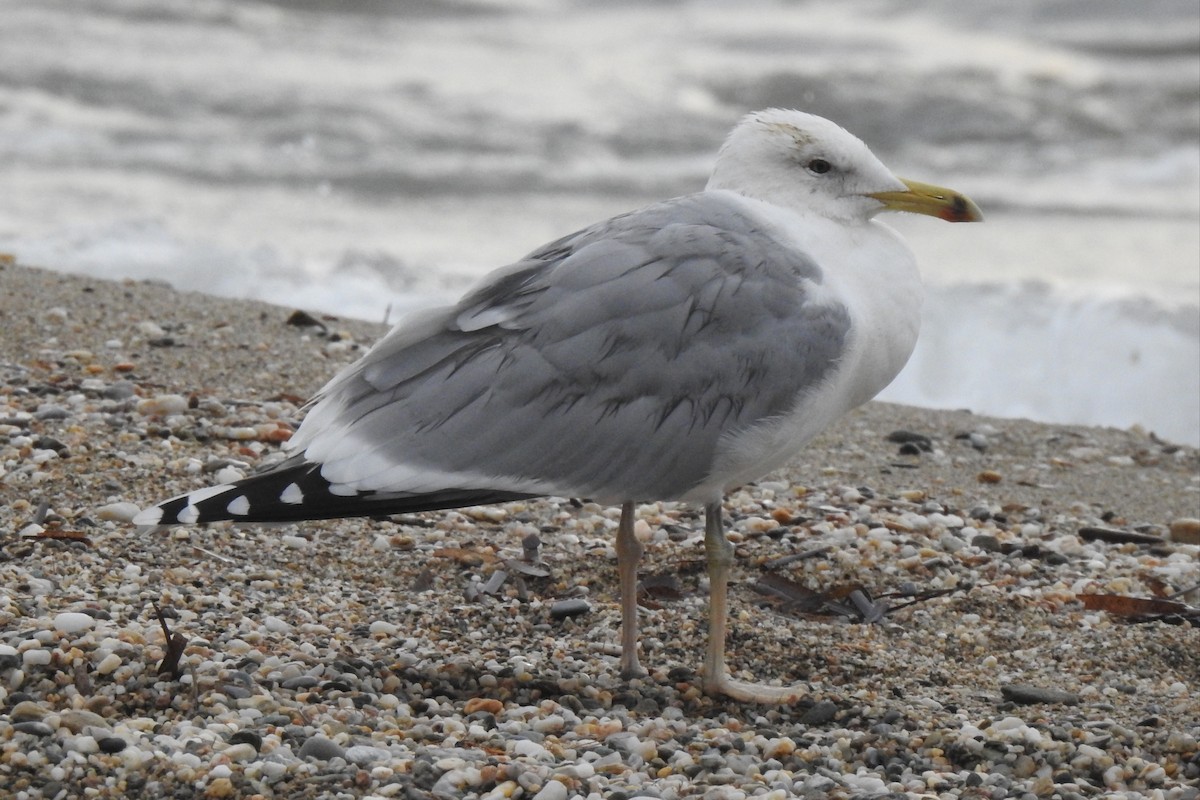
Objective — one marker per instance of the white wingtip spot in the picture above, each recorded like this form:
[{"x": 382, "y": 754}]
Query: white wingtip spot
[
  {"x": 188, "y": 515},
  {"x": 292, "y": 495},
  {"x": 151, "y": 516},
  {"x": 239, "y": 507}
]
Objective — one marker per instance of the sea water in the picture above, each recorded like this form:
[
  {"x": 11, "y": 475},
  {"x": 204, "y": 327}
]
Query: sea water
[{"x": 365, "y": 158}]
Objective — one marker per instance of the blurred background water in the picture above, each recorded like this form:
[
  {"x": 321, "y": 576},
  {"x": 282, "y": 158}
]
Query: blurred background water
[{"x": 366, "y": 157}]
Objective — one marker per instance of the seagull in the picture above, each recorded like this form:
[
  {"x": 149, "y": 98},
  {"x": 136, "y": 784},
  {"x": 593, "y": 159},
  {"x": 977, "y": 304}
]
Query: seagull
[{"x": 674, "y": 352}]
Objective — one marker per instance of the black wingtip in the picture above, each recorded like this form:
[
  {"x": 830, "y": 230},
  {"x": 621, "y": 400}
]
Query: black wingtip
[{"x": 295, "y": 490}]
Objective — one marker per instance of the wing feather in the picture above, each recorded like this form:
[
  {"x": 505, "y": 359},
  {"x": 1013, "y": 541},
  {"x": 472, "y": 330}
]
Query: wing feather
[{"x": 608, "y": 364}]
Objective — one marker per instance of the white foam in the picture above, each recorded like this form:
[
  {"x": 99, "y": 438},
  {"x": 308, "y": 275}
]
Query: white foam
[{"x": 1048, "y": 354}]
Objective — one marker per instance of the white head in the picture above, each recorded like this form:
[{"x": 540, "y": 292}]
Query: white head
[{"x": 809, "y": 164}]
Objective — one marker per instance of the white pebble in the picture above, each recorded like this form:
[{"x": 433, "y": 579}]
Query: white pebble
[
  {"x": 82, "y": 744},
  {"x": 297, "y": 542},
  {"x": 162, "y": 405},
  {"x": 118, "y": 512},
  {"x": 73, "y": 622},
  {"x": 384, "y": 627},
  {"x": 524, "y": 747},
  {"x": 108, "y": 664},
  {"x": 243, "y": 751},
  {"x": 36, "y": 657},
  {"x": 363, "y": 754},
  {"x": 553, "y": 790},
  {"x": 228, "y": 474}
]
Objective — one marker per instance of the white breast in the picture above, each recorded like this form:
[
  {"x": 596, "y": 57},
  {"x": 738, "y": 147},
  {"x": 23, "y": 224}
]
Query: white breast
[{"x": 870, "y": 270}]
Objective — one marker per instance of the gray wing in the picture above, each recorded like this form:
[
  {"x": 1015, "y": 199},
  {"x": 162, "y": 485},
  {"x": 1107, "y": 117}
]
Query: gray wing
[{"x": 608, "y": 364}]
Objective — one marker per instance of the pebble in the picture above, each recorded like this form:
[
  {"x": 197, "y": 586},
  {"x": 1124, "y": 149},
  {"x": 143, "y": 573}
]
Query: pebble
[
  {"x": 1021, "y": 693},
  {"x": 36, "y": 657},
  {"x": 73, "y": 622},
  {"x": 569, "y": 608},
  {"x": 111, "y": 744},
  {"x": 108, "y": 664},
  {"x": 117, "y": 512},
  {"x": 554, "y": 790},
  {"x": 821, "y": 713},
  {"x": 33, "y": 728},
  {"x": 240, "y": 752},
  {"x": 1185, "y": 530},
  {"x": 321, "y": 749},
  {"x": 383, "y": 628},
  {"x": 163, "y": 405}
]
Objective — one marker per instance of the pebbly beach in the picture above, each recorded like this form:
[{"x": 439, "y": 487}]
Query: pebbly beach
[{"x": 980, "y": 607}]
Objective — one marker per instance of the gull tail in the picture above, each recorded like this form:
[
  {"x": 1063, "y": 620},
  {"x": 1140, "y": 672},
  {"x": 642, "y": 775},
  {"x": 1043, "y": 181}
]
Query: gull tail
[{"x": 294, "y": 490}]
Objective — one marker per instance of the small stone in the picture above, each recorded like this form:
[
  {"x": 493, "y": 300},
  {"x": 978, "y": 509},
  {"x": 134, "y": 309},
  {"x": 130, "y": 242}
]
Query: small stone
[
  {"x": 163, "y": 405},
  {"x": 1028, "y": 695},
  {"x": 118, "y": 512},
  {"x": 111, "y": 744},
  {"x": 383, "y": 628},
  {"x": 553, "y": 790},
  {"x": 27, "y": 710},
  {"x": 985, "y": 541},
  {"x": 82, "y": 744},
  {"x": 363, "y": 754},
  {"x": 76, "y": 720},
  {"x": 989, "y": 476},
  {"x": 36, "y": 657},
  {"x": 73, "y": 622},
  {"x": 240, "y": 752},
  {"x": 819, "y": 714},
  {"x": 108, "y": 664},
  {"x": 321, "y": 749},
  {"x": 487, "y": 704},
  {"x": 33, "y": 728},
  {"x": 1186, "y": 530},
  {"x": 119, "y": 390},
  {"x": 219, "y": 787},
  {"x": 247, "y": 737},
  {"x": 569, "y": 608}
]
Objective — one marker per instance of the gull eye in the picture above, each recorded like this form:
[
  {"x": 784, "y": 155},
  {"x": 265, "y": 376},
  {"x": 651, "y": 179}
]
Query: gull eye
[{"x": 819, "y": 166}]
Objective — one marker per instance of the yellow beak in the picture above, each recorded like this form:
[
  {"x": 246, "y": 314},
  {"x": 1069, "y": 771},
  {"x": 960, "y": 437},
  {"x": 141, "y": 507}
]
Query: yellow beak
[{"x": 924, "y": 198}]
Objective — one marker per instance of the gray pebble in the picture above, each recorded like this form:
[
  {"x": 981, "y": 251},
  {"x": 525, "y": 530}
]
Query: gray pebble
[
  {"x": 363, "y": 754},
  {"x": 820, "y": 713},
  {"x": 121, "y": 390},
  {"x": 33, "y": 728},
  {"x": 51, "y": 412},
  {"x": 986, "y": 542},
  {"x": 1025, "y": 695},
  {"x": 570, "y": 608},
  {"x": 321, "y": 749}
]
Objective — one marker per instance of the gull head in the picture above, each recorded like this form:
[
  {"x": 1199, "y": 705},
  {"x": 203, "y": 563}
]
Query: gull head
[{"x": 812, "y": 166}]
